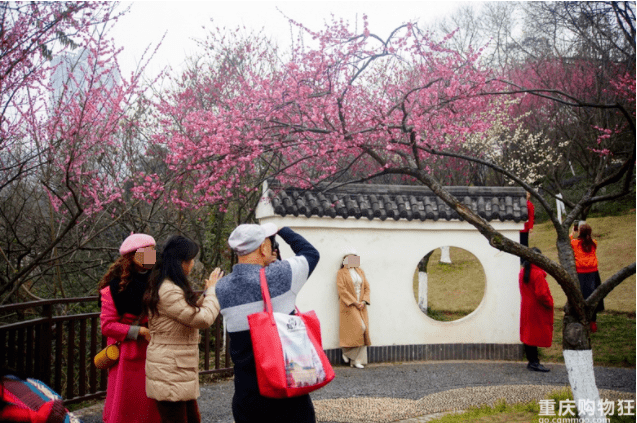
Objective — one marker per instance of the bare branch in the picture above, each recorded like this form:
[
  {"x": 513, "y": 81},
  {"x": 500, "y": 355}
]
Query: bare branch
[{"x": 611, "y": 283}]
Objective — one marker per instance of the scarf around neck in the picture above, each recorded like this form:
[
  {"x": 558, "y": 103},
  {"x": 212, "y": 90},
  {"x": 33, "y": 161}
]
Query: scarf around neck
[{"x": 130, "y": 299}]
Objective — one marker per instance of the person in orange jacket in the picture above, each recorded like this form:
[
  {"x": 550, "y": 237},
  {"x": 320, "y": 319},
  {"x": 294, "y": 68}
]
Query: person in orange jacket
[{"x": 585, "y": 250}]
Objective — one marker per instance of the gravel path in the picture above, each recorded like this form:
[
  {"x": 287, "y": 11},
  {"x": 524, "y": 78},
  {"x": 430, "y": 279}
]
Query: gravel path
[{"x": 403, "y": 392}]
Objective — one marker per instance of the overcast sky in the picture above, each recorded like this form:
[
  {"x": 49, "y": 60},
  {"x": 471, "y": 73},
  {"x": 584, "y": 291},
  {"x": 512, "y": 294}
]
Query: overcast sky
[{"x": 183, "y": 21}]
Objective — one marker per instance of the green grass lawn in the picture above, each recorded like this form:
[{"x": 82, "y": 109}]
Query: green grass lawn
[
  {"x": 613, "y": 344},
  {"x": 457, "y": 288}
]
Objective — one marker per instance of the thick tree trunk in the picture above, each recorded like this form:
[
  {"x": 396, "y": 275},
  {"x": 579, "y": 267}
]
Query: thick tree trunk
[
  {"x": 422, "y": 291},
  {"x": 445, "y": 257},
  {"x": 578, "y": 358},
  {"x": 579, "y": 365},
  {"x": 575, "y": 332},
  {"x": 423, "y": 282}
]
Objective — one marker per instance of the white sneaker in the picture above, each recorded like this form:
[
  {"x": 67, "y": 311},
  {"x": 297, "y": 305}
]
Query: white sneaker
[
  {"x": 357, "y": 365},
  {"x": 345, "y": 359}
]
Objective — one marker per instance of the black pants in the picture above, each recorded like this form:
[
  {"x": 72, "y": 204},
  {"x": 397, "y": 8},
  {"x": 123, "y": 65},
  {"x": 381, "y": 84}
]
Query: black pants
[
  {"x": 524, "y": 240},
  {"x": 588, "y": 283},
  {"x": 531, "y": 354},
  {"x": 249, "y": 406}
]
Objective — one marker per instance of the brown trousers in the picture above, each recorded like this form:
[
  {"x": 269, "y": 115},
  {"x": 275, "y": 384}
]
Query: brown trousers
[{"x": 179, "y": 411}]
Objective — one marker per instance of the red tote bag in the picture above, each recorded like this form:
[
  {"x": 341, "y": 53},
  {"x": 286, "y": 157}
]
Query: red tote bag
[{"x": 288, "y": 350}]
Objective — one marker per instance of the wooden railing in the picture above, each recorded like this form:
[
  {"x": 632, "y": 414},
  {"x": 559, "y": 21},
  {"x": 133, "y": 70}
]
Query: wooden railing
[{"x": 58, "y": 349}]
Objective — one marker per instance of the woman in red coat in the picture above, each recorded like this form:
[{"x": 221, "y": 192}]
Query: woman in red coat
[
  {"x": 536, "y": 313},
  {"x": 121, "y": 293}
]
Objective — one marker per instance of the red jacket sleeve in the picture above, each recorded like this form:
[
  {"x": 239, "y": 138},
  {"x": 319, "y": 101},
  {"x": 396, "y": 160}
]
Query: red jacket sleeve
[
  {"x": 541, "y": 287},
  {"x": 110, "y": 320}
]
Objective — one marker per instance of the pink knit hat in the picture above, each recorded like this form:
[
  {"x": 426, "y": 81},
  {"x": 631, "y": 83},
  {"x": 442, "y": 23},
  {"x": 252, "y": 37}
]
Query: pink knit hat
[{"x": 136, "y": 241}]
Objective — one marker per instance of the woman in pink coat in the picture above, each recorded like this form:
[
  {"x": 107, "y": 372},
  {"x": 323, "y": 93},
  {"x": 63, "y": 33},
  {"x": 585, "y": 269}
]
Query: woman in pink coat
[
  {"x": 121, "y": 293},
  {"x": 536, "y": 313}
]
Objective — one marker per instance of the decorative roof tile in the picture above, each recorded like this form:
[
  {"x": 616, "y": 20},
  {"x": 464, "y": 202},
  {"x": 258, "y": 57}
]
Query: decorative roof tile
[{"x": 398, "y": 202}]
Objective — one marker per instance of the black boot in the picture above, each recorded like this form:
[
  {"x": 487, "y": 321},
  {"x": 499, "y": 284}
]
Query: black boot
[{"x": 537, "y": 367}]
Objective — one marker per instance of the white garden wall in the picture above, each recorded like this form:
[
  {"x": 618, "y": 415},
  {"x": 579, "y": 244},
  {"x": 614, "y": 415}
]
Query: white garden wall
[{"x": 390, "y": 251}]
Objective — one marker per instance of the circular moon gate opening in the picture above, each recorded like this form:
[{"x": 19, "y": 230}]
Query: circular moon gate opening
[{"x": 449, "y": 283}]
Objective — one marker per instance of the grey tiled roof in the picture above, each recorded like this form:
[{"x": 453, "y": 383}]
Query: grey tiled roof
[{"x": 399, "y": 202}]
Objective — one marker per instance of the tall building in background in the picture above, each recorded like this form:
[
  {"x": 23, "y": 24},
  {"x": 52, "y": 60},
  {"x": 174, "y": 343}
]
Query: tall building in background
[{"x": 71, "y": 70}]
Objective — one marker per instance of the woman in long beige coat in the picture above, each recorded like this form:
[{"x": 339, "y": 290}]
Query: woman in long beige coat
[
  {"x": 175, "y": 317},
  {"x": 353, "y": 294}
]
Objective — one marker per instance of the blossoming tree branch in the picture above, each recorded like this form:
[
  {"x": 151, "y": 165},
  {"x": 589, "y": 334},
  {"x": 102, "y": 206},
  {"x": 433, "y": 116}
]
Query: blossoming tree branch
[
  {"x": 66, "y": 126},
  {"x": 345, "y": 103}
]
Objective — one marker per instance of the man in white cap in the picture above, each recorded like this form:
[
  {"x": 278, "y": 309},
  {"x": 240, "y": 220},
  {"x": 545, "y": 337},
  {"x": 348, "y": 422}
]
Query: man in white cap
[{"x": 239, "y": 295}]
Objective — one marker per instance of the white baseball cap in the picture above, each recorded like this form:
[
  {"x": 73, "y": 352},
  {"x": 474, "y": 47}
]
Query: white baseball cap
[{"x": 248, "y": 237}]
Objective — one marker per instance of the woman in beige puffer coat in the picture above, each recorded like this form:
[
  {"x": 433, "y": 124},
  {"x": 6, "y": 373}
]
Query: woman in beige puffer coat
[{"x": 175, "y": 317}]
